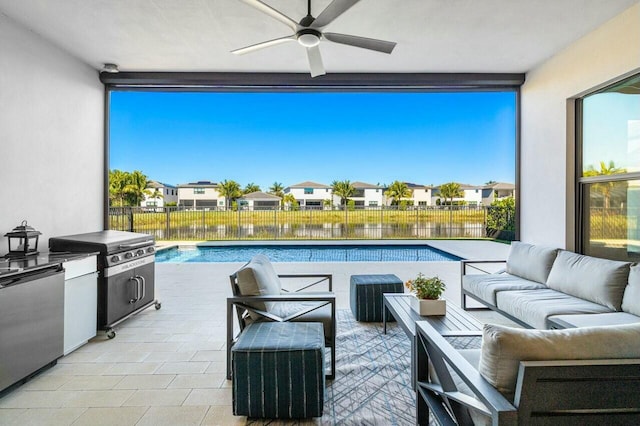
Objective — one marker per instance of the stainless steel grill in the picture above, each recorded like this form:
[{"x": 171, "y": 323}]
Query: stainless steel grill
[{"x": 126, "y": 262}]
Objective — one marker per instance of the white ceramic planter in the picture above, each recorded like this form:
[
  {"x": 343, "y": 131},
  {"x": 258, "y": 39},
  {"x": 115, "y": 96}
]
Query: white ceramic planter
[{"x": 429, "y": 307}]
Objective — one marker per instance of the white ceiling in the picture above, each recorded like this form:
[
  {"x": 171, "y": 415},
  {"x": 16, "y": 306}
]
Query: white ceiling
[{"x": 197, "y": 35}]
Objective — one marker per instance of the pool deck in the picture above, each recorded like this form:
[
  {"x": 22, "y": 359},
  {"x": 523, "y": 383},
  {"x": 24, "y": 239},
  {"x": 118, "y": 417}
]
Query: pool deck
[{"x": 217, "y": 274}]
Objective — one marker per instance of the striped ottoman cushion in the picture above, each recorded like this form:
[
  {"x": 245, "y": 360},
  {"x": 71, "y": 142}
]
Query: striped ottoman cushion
[
  {"x": 278, "y": 370},
  {"x": 366, "y": 295}
]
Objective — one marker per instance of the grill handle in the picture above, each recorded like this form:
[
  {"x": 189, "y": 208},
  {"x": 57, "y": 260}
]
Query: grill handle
[
  {"x": 144, "y": 286},
  {"x": 134, "y": 245},
  {"x": 137, "y": 281}
]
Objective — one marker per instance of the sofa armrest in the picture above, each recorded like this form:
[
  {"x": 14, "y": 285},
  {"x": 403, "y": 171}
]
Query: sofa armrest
[
  {"x": 318, "y": 279},
  {"x": 443, "y": 398},
  {"x": 475, "y": 264}
]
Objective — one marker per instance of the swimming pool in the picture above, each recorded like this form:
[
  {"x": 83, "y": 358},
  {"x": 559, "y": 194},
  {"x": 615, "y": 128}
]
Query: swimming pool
[{"x": 307, "y": 253}]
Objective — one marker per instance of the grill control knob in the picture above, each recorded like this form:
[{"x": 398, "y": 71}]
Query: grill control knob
[
  {"x": 128, "y": 255},
  {"x": 115, "y": 259},
  {"x": 151, "y": 249},
  {"x": 140, "y": 252}
]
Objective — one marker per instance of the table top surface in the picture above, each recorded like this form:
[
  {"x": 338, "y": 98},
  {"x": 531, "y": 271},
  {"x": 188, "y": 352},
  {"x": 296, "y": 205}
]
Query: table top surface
[{"x": 456, "y": 318}]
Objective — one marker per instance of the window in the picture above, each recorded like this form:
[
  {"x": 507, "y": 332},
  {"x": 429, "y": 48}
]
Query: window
[
  {"x": 609, "y": 171},
  {"x": 198, "y": 190},
  {"x": 373, "y": 204},
  {"x": 308, "y": 190}
]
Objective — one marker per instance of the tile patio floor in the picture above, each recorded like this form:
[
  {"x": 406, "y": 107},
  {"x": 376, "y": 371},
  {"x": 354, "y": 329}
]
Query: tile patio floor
[{"x": 167, "y": 367}]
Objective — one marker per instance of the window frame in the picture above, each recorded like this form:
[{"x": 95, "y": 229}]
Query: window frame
[
  {"x": 581, "y": 182},
  {"x": 301, "y": 82}
]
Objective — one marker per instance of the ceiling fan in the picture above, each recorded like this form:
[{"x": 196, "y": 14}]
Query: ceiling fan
[{"x": 308, "y": 33}]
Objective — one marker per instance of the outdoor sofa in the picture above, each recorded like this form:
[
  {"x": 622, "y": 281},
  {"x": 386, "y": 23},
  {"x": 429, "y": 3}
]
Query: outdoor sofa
[
  {"x": 576, "y": 362},
  {"x": 543, "y": 287},
  {"x": 574, "y": 376}
]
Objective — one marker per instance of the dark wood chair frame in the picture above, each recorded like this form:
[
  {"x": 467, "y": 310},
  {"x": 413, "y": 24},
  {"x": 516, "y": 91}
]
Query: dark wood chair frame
[
  {"x": 241, "y": 305},
  {"x": 574, "y": 392}
]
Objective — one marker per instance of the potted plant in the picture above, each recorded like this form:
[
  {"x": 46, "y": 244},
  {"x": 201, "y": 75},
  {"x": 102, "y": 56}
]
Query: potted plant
[{"x": 427, "y": 292}]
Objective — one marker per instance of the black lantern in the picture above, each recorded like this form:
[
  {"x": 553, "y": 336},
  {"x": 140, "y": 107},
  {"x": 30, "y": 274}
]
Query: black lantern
[{"x": 23, "y": 241}]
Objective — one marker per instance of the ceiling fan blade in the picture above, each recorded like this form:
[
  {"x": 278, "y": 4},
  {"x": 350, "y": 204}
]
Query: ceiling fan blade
[
  {"x": 262, "y": 45},
  {"x": 331, "y": 12},
  {"x": 315, "y": 61},
  {"x": 275, "y": 14},
  {"x": 363, "y": 42}
]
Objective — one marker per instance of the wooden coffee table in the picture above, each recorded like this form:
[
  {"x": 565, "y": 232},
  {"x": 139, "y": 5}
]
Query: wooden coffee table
[{"x": 455, "y": 323}]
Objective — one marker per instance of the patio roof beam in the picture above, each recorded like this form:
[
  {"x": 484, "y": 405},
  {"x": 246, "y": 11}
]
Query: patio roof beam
[{"x": 185, "y": 81}]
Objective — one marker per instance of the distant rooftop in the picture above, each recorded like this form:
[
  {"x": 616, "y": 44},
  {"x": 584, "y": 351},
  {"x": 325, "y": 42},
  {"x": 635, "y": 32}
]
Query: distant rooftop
[
  {"x": 199, "y": 184},
  {"x": 309, "y": 184},
  {"x": 259, "y": 195}
]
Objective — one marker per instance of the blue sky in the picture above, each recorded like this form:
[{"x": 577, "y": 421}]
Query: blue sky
[{"x": 425, "y": 138}]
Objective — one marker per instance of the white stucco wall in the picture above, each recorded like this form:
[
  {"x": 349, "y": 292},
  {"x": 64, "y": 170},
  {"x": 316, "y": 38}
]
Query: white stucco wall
[
  {"x": 51, "y": 137},
  {"x": 611, "y": 51}
]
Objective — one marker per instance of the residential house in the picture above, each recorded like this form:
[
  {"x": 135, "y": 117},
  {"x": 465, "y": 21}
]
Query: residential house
[
  {"x": 310, "y": 195},
  {"x": 497, "y": 191},
  {"x": 259, "y": 201},
  {"x": 161, "y": 194},
  {"x": 200, "y": 195},
  {"x": 420, "y": 194},
  {"x": 367, "y": 195},
  {"x": 471, "y": 195}
]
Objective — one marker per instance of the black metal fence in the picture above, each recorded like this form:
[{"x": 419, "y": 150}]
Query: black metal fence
[{"x": 175, "y": 223}]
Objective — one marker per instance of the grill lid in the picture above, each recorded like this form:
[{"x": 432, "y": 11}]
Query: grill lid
[{"x": 106, "y": 242}]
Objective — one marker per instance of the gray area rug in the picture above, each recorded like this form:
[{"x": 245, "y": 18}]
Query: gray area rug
[{"x": 373, "y": 378}]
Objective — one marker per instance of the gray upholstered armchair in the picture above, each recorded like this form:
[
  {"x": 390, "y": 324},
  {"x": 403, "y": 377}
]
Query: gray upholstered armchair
[{"x": 258, "y": 295}]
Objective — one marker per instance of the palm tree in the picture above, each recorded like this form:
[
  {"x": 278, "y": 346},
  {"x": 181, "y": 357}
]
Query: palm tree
[
  {"x": 137, "y": 187},
  {"x": 117, "y": 183},
  {"x": 277, "y": 189},
  {"x": 604, "y": 187},
  {"x": 230, "y": 190},
  {"x": 251, "y": 187},
  {"x": 397, "y": 191},
  {"x": 343, "y": 189},
  {"x": 156, "y": 195},
  {"x": 291, "y": 200},
  {"x": 450, "y": 191}
]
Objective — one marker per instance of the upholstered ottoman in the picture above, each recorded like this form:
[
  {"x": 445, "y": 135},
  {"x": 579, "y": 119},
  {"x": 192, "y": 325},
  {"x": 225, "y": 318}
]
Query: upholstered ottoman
[
  {"x": 278, "y": 370},
  {"x": 366, "y": 295}
]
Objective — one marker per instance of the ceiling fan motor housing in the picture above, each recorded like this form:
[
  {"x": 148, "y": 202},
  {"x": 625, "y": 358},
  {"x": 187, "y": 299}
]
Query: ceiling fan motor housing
[{"x": 309, "y": 37}]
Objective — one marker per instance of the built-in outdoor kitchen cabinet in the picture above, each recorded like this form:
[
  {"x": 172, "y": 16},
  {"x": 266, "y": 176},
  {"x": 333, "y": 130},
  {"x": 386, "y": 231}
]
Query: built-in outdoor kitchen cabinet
[{"x": 80, "y": 302}]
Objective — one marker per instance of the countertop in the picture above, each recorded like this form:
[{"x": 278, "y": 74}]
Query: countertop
[{"x": 16, "y": 266}]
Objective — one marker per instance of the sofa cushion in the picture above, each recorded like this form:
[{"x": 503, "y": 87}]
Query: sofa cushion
[
  {"x": 503, "y": 348},
  {"x": 598, "y": 280},
  {"x": 485, "y": 286},
  {"x": 258, "y": 278},
  {"x": 533, "y": 307},
  {"x": 530, "y": 262},
  {"x": 593, "y": 320},
  {"x": 631, "y": 298}
]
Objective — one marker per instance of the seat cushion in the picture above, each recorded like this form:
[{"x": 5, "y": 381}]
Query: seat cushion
[
  {"x": 594, "y": 320},
  {"x": 631, "y": 298},
  {"x": 530, "y": 262},
  {"x": 535, "y": 306},
  {"x": 322, "y": 314},
  {"x": 597, "y": 280},
  {"x": 258, "y": 278},
  {"x": 503, "y": 348},
  {"x": 485, "y": 286}
]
